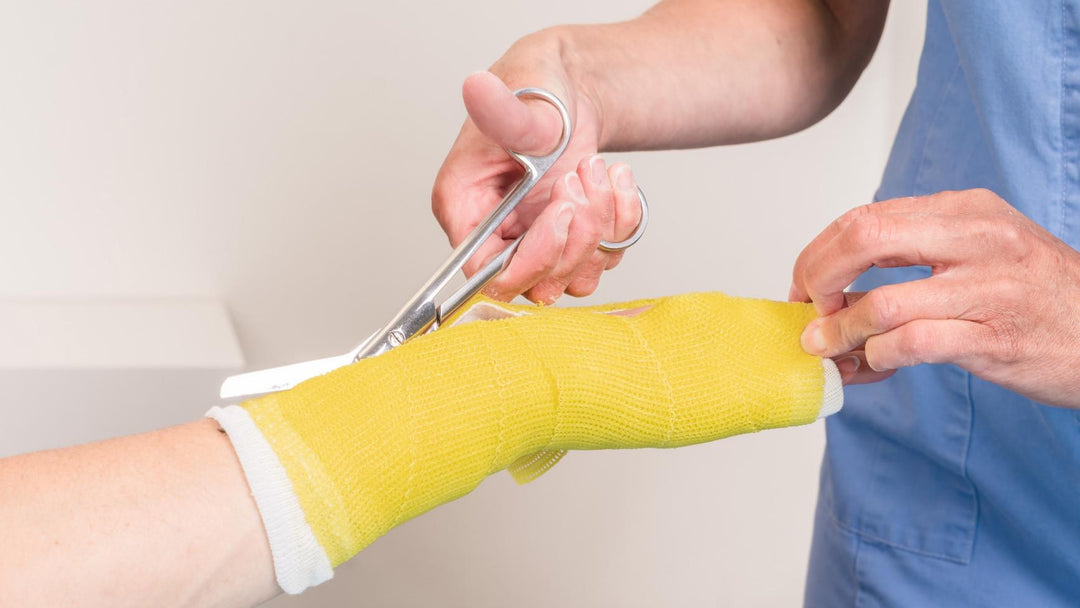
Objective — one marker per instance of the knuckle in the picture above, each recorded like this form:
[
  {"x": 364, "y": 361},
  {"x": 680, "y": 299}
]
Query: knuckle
[
  {"x": 904, "y": 350},
  {"x": 590, "y": 272},
  {"x": 882, "y": 308},
  {"x": 441, "y": 211},
  {"x": 854, "y": 213},
  {"x": 1012, "y": 237},
  {"x": 913, "y": 345},
  {"x": 547, "y": 291},
  {"x": 971, "y": 201},
  {"x": 989, "y": 198},
  {"x": 563, "y": 274},
  {"x": 438, "y": 191},
  {"x": 810, "y": 281},
  {"x": 866, "y": 230},
  {"x": 877, "y": 357},
  {"x": 543, "y": 265},
  {"x": 593, "y": 230},
  {"x": 583, "y": 286},
  {"x": 1009, "y": 237},
  {"x": 850, "y": 216}
]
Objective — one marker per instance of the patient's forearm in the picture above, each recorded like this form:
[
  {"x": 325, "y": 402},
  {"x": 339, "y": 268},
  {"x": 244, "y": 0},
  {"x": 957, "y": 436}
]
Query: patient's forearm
[{"x": 158, "y": 519}]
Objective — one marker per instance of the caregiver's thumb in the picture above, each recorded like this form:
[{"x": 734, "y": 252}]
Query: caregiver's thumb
[{"x": 529, "y": 126}]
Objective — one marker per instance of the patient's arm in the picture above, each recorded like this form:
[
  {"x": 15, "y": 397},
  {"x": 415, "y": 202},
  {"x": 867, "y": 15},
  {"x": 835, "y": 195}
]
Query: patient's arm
[
  {"x": 166, "y": 518},
  {"x": 158, "y": 519}
]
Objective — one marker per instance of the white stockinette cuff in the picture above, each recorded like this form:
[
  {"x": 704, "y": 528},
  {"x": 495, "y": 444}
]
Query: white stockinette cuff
[
  {"x": 834, "y": 390},
  {"x": 299, "y": 560}
]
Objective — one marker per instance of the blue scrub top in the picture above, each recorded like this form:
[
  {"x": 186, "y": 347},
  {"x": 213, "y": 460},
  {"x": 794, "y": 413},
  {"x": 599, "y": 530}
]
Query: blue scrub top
[{"x": 937, "y": 488}]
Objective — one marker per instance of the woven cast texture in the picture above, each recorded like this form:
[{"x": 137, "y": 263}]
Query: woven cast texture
[{"x": 376, "y": 443}]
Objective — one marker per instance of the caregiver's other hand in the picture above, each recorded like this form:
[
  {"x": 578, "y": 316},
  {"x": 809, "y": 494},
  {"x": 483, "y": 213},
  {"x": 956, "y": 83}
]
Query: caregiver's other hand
[
  {"x": 1003, "y": 300},
  {"x": 579, "y": 202}
]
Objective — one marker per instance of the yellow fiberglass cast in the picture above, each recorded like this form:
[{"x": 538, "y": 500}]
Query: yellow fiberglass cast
[{"x": 374, "y": 444}]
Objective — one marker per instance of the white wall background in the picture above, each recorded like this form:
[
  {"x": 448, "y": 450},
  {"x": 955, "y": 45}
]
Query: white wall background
[{"x": 278, "y": 156}]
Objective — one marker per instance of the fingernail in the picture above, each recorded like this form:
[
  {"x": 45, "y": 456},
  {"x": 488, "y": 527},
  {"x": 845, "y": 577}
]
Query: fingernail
[
  {"x": 573, "y": 185},
  {"x": 813, "y": 340},
  {"x": 791, "y": 293},
  {"x": 562, "y": 219},
  {"x": 848, "y": 366},
  {"x": 624, "y": 179},
  {"x": 597, "y": 173}
]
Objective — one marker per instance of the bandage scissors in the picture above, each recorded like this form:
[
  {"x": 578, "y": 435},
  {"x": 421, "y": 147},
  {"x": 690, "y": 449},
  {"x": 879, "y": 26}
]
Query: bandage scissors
[{"x": 421, "y": 313}]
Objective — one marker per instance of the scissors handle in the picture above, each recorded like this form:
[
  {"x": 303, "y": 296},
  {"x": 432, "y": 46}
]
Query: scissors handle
[{"x": 421, "y": 311}]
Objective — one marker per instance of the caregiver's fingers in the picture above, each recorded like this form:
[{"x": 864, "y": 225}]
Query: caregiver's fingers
[
  {"x": 580, "y": 243},
  {"x": 929, "y": 341},
  {"x": 583, "y": 279},
  {"x": 797, "y": 294},
  {"x": 537, "y": 254},
  {"x": 854, "y": 370},
  {"x": 627, "y": 209},
  {"x": 614, "y": 201},
  {"x": 885, "y": 240},
  {"x": 955, "y": 204},
  {"x": 532, "y": 127},
  {"x": 881, "y": 310}
]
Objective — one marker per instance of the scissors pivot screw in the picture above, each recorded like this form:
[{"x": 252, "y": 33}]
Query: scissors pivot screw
[{"x": 396, "y": 338}]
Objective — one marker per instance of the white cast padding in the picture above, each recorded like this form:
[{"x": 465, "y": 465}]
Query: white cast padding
[
  {"x": 834, "y": 390},
  {"x": 299, "y": 561},
  {"x": 484, "y": 311}
]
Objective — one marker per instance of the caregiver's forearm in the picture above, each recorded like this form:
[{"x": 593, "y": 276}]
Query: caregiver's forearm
[
  {"x": 692, "y": 73},
  {"x": 158, "y": 519}
]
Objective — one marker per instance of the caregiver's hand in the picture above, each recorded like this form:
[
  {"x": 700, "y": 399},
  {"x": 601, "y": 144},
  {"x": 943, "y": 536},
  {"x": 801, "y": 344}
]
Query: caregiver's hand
[
  {"x": 1003, "y": 301},
  {"x": 579, "y": 202}
]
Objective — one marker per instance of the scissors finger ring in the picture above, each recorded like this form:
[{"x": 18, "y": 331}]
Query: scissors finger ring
[{"x": 638, "y": 232}]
